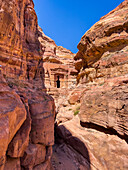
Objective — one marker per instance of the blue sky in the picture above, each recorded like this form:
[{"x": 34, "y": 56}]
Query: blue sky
[{"x": 66, "y": 21}]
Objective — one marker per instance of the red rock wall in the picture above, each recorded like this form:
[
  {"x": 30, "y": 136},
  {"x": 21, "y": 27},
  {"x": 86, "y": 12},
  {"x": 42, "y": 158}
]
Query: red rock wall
[
  {"x": 26, "y": 111},
  {"x": 19, "y": 45},
  {"x": 99, "y": 132},
  {"x": 58, "y": 61},
  {"x": 104, "y": 49}
]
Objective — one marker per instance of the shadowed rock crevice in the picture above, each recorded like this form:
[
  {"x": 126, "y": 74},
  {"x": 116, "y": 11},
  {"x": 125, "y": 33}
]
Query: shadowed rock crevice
[
  {"x": 108, "y": 130},
  {"x": 70, "y": 151},
  {"x": 26, "y": 111},
  {"x": 102, "y": 121}
]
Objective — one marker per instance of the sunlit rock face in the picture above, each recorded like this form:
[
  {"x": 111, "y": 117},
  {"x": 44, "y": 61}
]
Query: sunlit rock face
[
  {"x": 19, "y": 45},
  {"x": 58, "y": 62},
  {"x": 97, "y": 137},
  {"x": 26, "y": 111},
  {"x": 60, "y": 74},
  {"x": 110, "y": 34},
  {"x": 12, "y": 116},
  {"x": 101, "y": 126}
]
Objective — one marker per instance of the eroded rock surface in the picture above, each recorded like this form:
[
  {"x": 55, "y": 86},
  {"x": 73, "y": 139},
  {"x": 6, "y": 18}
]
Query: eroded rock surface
[
  {"x": 110, "y": 34},
  {"x": 107, "y": 106},
  {"x": 26, "y": 111},
  {"x": 102, "y": 121},
  {"x": 99, "y": 150},
  {"x": 58, "y": 65},
  {"x": 12, "y": 116},
  {"x": 92, "y": 130},
  {"x": 59, "y": 68}
]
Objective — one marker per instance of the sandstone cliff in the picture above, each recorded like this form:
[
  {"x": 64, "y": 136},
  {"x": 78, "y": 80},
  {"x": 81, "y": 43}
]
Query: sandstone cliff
[
  {"x": 92, "y": 121},
  {"x": 59, "y": 66},
  {"x": 97, "y": 138},
  {"x": 26, "y": 111},
  {"x": 58, "y": 61}
]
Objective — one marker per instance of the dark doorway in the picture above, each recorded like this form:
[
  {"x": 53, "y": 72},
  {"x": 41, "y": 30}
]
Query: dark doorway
[{"x": 58, "y": 82}]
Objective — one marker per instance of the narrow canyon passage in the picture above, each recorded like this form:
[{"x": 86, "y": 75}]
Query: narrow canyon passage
[
  {"x": 91, "y": 122},
  {"x": 60, "y": 110}
]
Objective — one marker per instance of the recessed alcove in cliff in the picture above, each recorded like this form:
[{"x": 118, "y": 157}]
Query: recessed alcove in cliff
[
  {"x": 59, "y": 76},
  {"x": 58, "y": 83},
  {"x": 28, "y": 114},
  {"x": 57, "y": 80}
]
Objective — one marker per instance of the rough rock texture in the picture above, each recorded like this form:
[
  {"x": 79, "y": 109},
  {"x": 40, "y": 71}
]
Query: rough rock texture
[
  {"x": 12, "y": 164},
  {"x": 89, "y": 148},
  {"x": 34, "y": 155},
  {"x": 66, "y": 157},
  {"x": 92, "y": 130},
  {"x": 26, "y": 111},
  {"x": 21, "y": 140},
  {"x": 19, "y": 43},
  {"x": 107, "y": 107},
  {"x": 58, "y": 61},
  {"x": 42, "y": 110},
  {"x": 110, "y": 34},
  {"x": 100, "y": 131},
  {"x": 58, "y": 65},
  {"x": 12, "y": 116}
]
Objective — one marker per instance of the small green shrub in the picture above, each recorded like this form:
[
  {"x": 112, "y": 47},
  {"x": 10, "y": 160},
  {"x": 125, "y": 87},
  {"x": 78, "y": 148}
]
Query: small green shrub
[
  {"x": 76, "y": 112},
  {"x": 101, "y": 84}
]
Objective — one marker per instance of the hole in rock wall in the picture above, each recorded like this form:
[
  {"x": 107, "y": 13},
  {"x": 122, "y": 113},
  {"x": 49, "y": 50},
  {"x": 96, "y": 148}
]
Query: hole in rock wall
[{"x": 58, "y": 82}]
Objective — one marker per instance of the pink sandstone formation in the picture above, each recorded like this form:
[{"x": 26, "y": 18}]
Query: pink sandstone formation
[
  {"x": 99, "y": 133},
  {"x": 58, "y": 61},
  {"x": 91, "y": 130},
  {"x": 26, "y": 111},
  {"x": 58, "y": 64}
]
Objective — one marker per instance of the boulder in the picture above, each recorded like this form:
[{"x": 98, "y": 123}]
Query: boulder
[
  {"x": 42, "y": 113},
  {"x": 34, "y": 155},
  {"x": 12, "y": 164},
  {"x": 20, "y": 141},
  {"x": 12, "y": 116}
]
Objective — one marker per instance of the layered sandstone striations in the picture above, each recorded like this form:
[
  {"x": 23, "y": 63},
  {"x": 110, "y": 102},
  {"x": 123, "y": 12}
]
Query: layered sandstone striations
[
  {"x": 58, "y": 61},
  {"x": 59, "y": 66},
  {"x": 100, "y": 131},
  {"x": 26, "y": 111},
  {"x": 110, "y": 34},
  {"x": 96, "y": 138}
]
